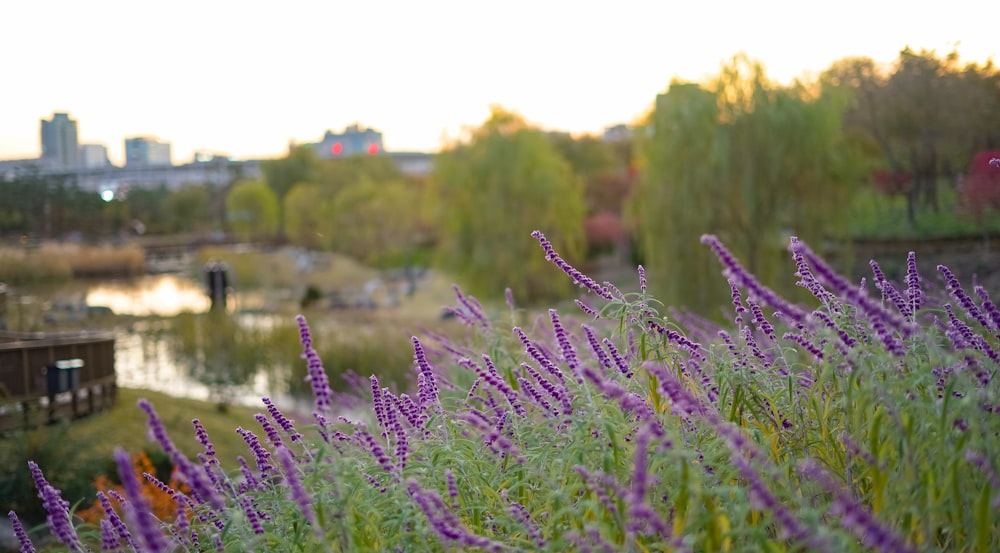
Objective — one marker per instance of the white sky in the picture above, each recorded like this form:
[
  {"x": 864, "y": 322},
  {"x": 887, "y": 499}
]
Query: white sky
[{"x": 245, "y": 77}]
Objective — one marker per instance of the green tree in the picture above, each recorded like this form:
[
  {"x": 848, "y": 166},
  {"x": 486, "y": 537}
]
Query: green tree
[
  {"x": 252, "y": 210},
  {"x": 189, "y": 209},
  {"x": 505, "y": 180},
  {"x": 744, "y": 159},
  {"x": 927, "y": 116},
  {"x": 379, "y": 222},
  {"x": 300, "y": 165},
  {"x": 308, "y": 216}
]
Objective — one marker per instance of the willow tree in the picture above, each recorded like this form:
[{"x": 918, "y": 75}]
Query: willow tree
[
  {"x": 744, "y": 159},
  {"x": 252, "y": 210},
  {"x": 505, "y": 180}
]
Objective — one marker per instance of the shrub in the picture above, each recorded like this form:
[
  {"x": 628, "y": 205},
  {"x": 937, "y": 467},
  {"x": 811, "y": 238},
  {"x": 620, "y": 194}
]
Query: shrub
[{"x": 866, "y": 421}]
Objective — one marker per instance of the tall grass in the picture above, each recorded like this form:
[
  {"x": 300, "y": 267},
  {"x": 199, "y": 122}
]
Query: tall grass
[
  {"x": 54, "y": 262},
  {"x": 866, "y": 420}
]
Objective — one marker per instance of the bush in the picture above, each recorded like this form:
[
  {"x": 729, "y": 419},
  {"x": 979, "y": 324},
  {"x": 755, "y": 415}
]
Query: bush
[{"x": 868, "y": 420}]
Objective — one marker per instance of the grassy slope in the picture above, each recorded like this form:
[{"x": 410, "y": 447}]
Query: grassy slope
[{"x": 125, "y": 426}]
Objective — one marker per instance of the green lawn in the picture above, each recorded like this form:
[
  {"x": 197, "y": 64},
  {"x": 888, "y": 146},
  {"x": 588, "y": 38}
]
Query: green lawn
[{"x": 125, "y": 426}]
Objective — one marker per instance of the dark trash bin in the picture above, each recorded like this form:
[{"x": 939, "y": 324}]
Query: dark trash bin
[{"x": 63, "y": 375}]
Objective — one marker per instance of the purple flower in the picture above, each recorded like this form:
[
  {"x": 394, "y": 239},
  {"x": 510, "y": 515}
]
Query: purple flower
[
  {"x": 295, "y": 490},
  {"x": 444, "y": 522},
  {"x": 261, "y": 455},
  {"x": 734, "y": 270},
  {"x": 22, "y": 536},
  {"x": 282, "y": 420},
  {"x": 762, "y": 499},
  {"x": 510, "y": 298},
  {"x": 642, "y": 279},
  {"x": 913, "y": 292},
  {"x": 579, "y": 278},
  {"x": 994, "y": 162},
  {"x": 848, "y": 292},
  {"x": 568, "y": 351},
  {"x": 989, "y": 307},
  {"x": 109, "y": 540},
  {"x": 889, "y": 291},
  {"x": 854, "y": 516},
  {"x": 202, "y": 434},
  {"x": 317, "y": 375},
  {"x": 378, "y": 406},
  {"x": 590, "y": 311},
  {"x": 472, "y": 307},
  {"x": 251, "y": 514},
  {"x": 138, "y": 511},
  {"x": 984, "y": 465},
  {"x": 452, "y": 488},
  {"x": 269, "y": 429},
  {"x": 524, "y": 517},
  {"x": 429, "y": 388},
  {"x": 58, "y": 517},
  {"x": 369, "y": 444},
  {"x": 954, "y": 287}
]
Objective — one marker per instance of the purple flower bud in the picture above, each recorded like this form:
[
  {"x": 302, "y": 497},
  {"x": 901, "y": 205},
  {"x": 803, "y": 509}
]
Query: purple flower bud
[
  {"x": 58, "y": 517},
  {"x": 22, "y": 536},
  {"x": 316, "y": 375},
  {"x": 954, "y": 287},
  {"x": 452, "y": 488},
  {"x": 734, "y": 270},
  {"x": 590, "y": 311},
  {"x": 578, "y": 278},
  {"x": 568, "y": 351},
  {"x": 854, "y": 516},
  {"x": 261, "y": 455},
  {"x": 994, "y": 162},
  {"x": 472, "y": 308},
  {"x": 282, "y": 420},
  {"x": 295, "y": 490},
  {"x": 429, "y": 380},
  {"x": 138, "y": 511}
]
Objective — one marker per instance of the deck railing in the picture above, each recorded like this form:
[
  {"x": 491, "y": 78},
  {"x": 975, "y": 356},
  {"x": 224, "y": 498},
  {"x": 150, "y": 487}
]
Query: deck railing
[{"x": 49, "y": 376}]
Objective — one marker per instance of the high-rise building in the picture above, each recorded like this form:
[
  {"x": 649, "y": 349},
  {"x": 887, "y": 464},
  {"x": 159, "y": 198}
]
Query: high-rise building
[
  {"x": 60, "y": 147},
  {"x": 94, "y": 156},
  {"x": 144, "y": 151}
]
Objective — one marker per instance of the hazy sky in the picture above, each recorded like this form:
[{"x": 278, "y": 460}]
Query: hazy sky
[{"x": 245, "y": 77}]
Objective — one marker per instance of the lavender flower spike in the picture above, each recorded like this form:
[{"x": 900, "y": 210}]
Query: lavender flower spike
[
  {"x": 138, "y": 512},
  {"x": 22, "y": 536},
  {"x": 295, "y": 490},
  {"x": 57, "y": 508},
  {"x": 317, "y": 375},
  {"x": 757, "y": 291},
  {"x": 579, "y": 278}
]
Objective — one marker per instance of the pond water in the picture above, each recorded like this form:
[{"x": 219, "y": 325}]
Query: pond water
[
  {"x": 163, "y": 295},
  {"x": 169, "y": 339},
  {"x": 166, "y": 337}
]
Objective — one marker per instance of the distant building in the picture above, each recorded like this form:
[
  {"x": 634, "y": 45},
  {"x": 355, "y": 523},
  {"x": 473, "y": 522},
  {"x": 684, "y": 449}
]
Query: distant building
[
  {"x": 144, "y": 151},
  {"x": 94, "y": 156},
  {"x": 60, "y": 147},
  {"x": 354, "y": 140}
]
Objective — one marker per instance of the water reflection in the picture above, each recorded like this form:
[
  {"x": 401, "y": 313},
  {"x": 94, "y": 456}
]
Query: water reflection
[
  {"x": 162, "y": 295},
  {"x": 169, "y": 340},
  {"x": 211, "y": 356}
]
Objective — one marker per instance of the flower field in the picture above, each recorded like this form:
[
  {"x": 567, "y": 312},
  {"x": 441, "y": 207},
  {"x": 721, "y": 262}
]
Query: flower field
[{"x": 868, "y": 420}]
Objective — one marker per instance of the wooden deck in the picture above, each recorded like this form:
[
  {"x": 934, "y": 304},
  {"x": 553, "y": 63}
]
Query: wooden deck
[{"x": 45, "y": 377}]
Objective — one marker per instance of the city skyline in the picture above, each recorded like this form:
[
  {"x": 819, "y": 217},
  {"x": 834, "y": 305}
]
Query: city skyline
[{"x": 246, "y": 78}]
